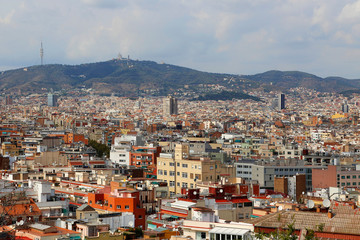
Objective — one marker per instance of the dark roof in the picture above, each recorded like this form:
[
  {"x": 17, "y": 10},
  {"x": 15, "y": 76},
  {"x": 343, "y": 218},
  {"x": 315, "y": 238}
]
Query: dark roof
[{"x": 85, "y": 208}]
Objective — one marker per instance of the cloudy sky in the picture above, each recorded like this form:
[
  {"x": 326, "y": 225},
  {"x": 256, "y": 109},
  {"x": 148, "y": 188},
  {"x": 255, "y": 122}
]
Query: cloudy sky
[{"x": 232, "y": 36}]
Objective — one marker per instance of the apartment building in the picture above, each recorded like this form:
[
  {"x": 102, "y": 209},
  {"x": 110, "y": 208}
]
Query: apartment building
[{"x": 183, "y": 170}]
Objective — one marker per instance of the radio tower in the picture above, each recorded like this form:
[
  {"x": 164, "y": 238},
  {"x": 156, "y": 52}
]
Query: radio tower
[{"x": 41, "y": 53}]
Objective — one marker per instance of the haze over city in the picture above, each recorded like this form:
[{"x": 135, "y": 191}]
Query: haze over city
[{"x": 240, "y": 37}]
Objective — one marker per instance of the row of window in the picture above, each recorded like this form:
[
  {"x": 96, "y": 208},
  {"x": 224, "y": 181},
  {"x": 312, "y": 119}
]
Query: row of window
[
  {"x": 183, "y": 165},
  {"x": 172, "y": 173},
  {"x": 184, "y": 184},
  {"x": 349, "y": 184},
  {"x": 117, "y": 206},
  {"x": 244, "y": 166},
  {"x": 290, "y": 170},
  {"x": 352, "y": 176}
]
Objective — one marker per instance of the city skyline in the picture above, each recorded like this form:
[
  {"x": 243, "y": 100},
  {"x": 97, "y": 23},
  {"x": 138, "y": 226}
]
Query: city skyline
[{"x": 240, "y": 37}]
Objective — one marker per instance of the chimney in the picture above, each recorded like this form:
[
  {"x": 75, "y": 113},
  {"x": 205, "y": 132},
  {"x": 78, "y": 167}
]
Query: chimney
[
  {"x": 353, "y": 206},
  {"x": 318, "y": 209},
  {"x": 330, "y": 214},
  {"x": 297, "y": 208}
]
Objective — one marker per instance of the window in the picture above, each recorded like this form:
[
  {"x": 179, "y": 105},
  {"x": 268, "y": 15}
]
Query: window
[
  {"x": 248, "y": 204},
  {"x": 184, "y": 185},
  {"x": 90, "y": 202},
  {"x": 348, "y": 176},
  {"x": 178, "y": 164},
  {"x": 354, "y": 176},
  {"x": 203, "y": 235},
  {"x": 172, "y": 164},
  {"x": 347, "y": 184},
  {"x": 172, "y": 173},
  {"x": 178, "y": 184},
  {"x": 160, "y": 172},
  {"x": 140, "y": 216},
  {"x": 118, "y": 207},
  {"x": 354, "y": 183},
  {"x": 184, "y": 165},
  {"x": 211, "y": 167},
  {"x": 178, "y": 173},
  {"x": 172, "y": 183},
  {"x": 184, "y": 175},
  {"x": 110, "y": 205},
  {"x": 127, "y": 207},
  {"x": 342, "y": 184},
  {"x": 165, "y": 172}
]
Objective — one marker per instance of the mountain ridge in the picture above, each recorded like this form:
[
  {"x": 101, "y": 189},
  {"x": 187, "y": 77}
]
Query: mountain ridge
[{"x": 132, "y": 77}]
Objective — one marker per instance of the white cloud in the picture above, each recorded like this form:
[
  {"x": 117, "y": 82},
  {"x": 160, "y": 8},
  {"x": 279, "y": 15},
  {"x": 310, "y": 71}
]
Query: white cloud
[
  {"x": 7, "y": 19},
  {"x": 237, "y": 36},
  {"x": 350, "y": 12}
]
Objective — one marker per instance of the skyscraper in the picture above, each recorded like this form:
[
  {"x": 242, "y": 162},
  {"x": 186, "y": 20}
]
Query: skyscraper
[
  {"x": 170, "y": 106},
  {"x": 52, "y": 100},
  {"x": 8, "y": 100},
  {"x": 345, "y": 107},
  {"x": 281, "y": 101}
]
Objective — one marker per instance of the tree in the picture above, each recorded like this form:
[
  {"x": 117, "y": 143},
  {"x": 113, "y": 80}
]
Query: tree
[{"x": 100, "y": 148}]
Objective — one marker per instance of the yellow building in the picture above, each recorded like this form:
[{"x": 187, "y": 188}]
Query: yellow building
[
  {"x": 9, "y": 149},
  {"x": 184, "y": 171}
]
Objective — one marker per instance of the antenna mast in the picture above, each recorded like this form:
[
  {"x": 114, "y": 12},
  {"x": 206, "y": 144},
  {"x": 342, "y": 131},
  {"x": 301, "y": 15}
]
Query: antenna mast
[{"x": 41, "y": 53}]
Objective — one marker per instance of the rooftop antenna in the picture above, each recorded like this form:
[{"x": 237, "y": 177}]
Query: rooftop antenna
[{"x": 41, "y": 53}]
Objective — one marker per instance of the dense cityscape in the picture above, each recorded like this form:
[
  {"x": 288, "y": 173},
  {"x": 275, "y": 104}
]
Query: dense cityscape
[
  {"x": 84, "y": 166},
  {"x": 179, "y": 120}
]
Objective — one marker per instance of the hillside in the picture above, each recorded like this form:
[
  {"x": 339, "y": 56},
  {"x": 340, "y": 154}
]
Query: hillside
[{"x": 130, "y": 78}]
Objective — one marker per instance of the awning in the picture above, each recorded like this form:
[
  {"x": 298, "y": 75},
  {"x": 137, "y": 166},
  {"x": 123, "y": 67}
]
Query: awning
[
  {"x": 169, "y": 216},
  {"x": 229, "y": 231}
]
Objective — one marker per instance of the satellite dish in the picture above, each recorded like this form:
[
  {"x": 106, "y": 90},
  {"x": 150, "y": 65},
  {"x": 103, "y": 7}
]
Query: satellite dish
[
  {"x": 195, "y": 192},
  {"x": 221, "y": 190},
  {"x": 326, "y": 203},
  {"x": 280, "y": 208},
  {"x": 310, "y": 204},
  {"x": 131, "y": 223}
]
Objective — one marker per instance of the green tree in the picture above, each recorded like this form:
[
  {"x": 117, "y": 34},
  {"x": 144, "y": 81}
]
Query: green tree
[{"x": 101, "y": 149}]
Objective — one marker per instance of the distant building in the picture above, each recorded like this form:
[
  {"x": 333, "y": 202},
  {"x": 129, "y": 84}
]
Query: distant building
[
  {"x": 345, "y": 107},
  {"x": 52, "y": 100},
  {"x": 8, "y": 100},
  {"x": 281, "y": 101},
  {"x": 170, "y": 106}
]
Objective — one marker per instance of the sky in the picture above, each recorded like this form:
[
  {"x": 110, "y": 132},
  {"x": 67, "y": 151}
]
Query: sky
[{"x": 228, "y": 36}]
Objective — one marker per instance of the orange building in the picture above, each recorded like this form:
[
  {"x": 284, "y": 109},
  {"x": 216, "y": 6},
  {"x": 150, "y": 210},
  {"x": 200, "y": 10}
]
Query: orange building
[
  {"x": 120, "y": 200},
  {"x": 145, "y": 157}
]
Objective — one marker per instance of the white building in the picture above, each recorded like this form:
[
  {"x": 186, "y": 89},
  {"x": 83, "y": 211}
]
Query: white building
[{"x": 120, "y": 150}]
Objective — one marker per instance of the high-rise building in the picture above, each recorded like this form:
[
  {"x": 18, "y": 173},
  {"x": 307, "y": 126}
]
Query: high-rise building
[
  {"x": 345, "y": 107},
  {"x": 281, "y": 101},
  {"x": 8, "y": 100},
  {"x": 170, "y": 106},
  {"x": 52, "y": 100}
]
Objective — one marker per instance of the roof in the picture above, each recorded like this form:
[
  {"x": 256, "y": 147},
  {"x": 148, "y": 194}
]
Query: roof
[
  {"x": 229, "y": 231},
  {"x": 345, "y": 220},
  {"x": 182, "y": 204},
  {"x": 85, "y": 207},
  {"x": 39, "y": 226},
  {"x": 240, "y": 200}
]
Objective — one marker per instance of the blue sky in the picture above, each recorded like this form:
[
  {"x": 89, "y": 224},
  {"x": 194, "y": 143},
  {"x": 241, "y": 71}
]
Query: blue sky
[{"x": 232, "y": 36}]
